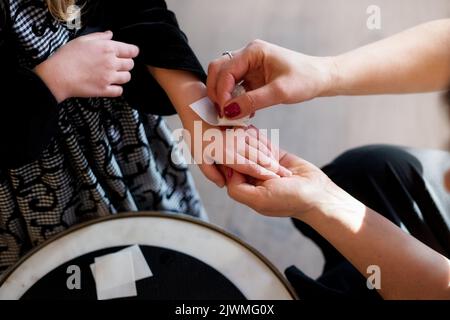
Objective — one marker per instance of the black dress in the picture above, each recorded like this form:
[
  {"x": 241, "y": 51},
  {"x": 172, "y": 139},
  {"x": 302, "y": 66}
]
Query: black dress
[{"x": 85, "y": 158}]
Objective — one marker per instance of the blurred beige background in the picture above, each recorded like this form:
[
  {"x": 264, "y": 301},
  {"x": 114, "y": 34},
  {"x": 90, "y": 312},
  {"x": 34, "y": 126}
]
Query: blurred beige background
[{"x": 321, "y": 129}]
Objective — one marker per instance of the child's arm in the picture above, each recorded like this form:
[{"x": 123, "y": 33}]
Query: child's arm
[
  {"x": 183, "y": 88},
  {"x": 69, "y": 71},
  {"x": 174, "y": 66}
]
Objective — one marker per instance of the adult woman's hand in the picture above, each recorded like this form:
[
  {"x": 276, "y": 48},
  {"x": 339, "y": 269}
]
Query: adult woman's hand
[
  {"x": 271, "y": 74},
  {"x": 416, "y": 60},
  {"x": 308, "y": 190},
  {"x": 410, "y": 269}
]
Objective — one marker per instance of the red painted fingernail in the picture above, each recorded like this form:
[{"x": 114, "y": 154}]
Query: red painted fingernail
[
  {"x": 233, "y": 110},
  {"x": 219, "y": 112},
  {"x": 229, "y": 173}
]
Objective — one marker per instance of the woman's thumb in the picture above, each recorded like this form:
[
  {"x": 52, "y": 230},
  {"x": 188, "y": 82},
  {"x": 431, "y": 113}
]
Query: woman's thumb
[{"x": 251, "y": 101}]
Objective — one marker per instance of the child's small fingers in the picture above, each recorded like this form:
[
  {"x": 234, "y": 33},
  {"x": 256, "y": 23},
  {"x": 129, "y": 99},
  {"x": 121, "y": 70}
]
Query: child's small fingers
[
  {"x": 250, "y": 168},
  {"x": 261, "y": 137},
  {"x": 265, "y": 161},
  {"x": 112, "y": 92},
  {"x": 255, "y": 143},
  {"x": 122, "y": 77}
]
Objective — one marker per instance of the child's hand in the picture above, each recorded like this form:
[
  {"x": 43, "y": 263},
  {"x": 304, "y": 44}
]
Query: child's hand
[
  {"x": 89, "y": 66},
  {"x": 241, "y": 149}
]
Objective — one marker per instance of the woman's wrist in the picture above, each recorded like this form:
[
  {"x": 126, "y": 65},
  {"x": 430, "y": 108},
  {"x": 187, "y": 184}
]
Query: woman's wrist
[
  {"x": 335, "y": 205},
  {"x": 331, "y": 86},
  {"x": 47, "y": 75}
]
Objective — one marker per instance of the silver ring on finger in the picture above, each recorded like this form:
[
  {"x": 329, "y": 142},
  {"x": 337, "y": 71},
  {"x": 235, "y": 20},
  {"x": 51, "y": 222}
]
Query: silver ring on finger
[{"x": 229, "y": 54}]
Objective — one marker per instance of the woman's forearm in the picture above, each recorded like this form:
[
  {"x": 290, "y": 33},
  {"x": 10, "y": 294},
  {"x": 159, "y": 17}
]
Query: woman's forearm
[
  {"x": 416, "y": 60},
  {"x": 409, "y": 269}
]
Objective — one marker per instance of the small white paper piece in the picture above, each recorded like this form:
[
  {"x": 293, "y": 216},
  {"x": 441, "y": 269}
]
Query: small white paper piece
[
  {"x": 119, "y": 272},
  {"x": 206, "y": 110},
  {"x": 114, "y": 276},
  {"x": 141, "y": 268},
  {"x": 243, "y": 122},
  {"x": 123, "y": 291}
]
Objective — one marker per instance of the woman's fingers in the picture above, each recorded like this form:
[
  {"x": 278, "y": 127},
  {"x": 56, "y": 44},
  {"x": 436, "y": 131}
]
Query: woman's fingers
[
  {"x": 267, "y": 82},
  {"x": 223, "y": 75},
  {"x": 211, "y": 82},
  {"x": 107, "y": 35},
  {"x": 251, "y": 101},
  {"x": 224, "y": 88},
  {"x": 261, "y": 137},
  {"x": 213, "y": 174},
  {"x": 243, "y": 192},
  {"x": 250, "y": 168}
]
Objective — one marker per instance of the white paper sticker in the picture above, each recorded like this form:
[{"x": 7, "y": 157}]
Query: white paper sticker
[
  {"x": 114, "y": 276},
  {"x": 110, "y": 285},
  {"x": 141, "y": 268},
  {"x": 123, "y": 291},
  {"x": 206, "y": 110}
]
